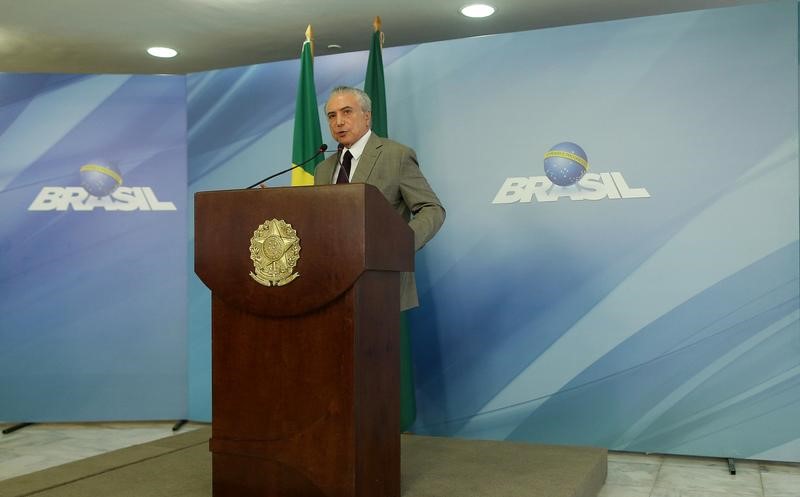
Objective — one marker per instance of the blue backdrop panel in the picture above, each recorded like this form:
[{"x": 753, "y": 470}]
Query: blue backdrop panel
[
  {"x": 93, "y": 288},
  {"x": 656, "y": 323},
  {"x": 653, "y": 305}
]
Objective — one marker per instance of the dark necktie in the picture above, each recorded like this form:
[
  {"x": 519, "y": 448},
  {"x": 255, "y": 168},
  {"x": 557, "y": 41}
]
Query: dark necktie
[{"x": 344, "y": 170}]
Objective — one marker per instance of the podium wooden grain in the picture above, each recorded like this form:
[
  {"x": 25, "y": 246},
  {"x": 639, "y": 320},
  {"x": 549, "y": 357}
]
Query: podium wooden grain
[{"x": 305, "y": 377}]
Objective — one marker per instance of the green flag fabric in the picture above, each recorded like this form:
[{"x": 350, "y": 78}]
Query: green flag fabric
[
  {"x": 375, "y": 87},
  {"x": 408, "y": 399},
  {"x": 307, "y": 134}
]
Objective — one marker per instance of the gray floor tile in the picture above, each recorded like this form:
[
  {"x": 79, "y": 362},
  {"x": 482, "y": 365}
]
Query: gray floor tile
[
  {"x": 609, "y": 490},
  {"x": 779, "y": 467},
  {"x": 671, "y": 492},
  {"x": 635, "y": 457},
  {"x": 43, "y": 446},
  {"x": 781, "y": 484},
  {"x": 631, "y": 474},
  {"x": 687, "y": 480}
]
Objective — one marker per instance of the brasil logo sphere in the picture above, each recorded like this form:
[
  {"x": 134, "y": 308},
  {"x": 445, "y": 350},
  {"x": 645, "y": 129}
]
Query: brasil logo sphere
[
  {"x": 565, "y": 164},
  {"x": 100, "y": 179}
]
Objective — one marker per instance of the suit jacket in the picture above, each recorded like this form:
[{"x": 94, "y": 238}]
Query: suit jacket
[{"x": 394, "y": 170}]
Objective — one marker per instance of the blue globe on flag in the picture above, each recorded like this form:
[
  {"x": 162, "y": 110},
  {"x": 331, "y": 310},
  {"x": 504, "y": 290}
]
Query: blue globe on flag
[
  {"x": 100, "y": 179},
  {"x": 565, "y": 164}
]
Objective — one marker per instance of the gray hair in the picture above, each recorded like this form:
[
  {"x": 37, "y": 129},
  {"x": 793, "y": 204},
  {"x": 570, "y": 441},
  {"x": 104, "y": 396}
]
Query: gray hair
[{"x": 363, "y": 98}]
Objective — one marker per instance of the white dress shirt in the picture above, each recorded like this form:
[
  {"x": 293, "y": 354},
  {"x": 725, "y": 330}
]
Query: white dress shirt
[{"x": 356, "y": 150}]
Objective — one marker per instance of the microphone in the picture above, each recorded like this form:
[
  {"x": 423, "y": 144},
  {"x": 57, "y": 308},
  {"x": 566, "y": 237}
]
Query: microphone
[
  {"x": 339, "y": 150},
  {"x": 321, "y": 149}
]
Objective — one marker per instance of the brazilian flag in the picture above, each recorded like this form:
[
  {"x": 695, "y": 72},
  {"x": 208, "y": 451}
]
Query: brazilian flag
[
  {"x": 375, "y": 87},
  {"x": 307, "y": 134}
]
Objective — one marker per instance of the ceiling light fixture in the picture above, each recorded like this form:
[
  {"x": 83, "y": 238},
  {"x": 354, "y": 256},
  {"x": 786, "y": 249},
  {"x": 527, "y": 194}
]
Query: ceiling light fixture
[
  {"x": 477, "y": 10},
  {"x": 162, "y": 52}
]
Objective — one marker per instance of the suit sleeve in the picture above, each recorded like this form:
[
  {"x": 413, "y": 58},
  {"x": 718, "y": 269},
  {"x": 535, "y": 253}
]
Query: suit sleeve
[{"x": 427, "y": 212}]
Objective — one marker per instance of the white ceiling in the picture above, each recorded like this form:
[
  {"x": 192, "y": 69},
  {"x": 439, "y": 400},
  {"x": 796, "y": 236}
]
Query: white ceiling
[{"x": 110, "y": 36}]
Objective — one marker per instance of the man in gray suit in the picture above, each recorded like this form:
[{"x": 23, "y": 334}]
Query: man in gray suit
[{"x": 365, "y": 157}]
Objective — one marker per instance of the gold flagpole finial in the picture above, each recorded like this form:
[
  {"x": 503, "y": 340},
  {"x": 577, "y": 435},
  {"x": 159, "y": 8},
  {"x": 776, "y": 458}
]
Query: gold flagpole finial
[
  {"x": 377, "y": 23},
  {"x": 310, "y": 37}
]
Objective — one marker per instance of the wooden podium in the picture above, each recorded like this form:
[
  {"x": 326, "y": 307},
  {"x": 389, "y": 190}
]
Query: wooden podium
[{"x": 305, "y": 376}]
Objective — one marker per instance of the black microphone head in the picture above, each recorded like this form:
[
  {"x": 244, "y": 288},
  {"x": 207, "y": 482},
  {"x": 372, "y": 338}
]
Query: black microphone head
[
  {"x": 340, "y": 147},
  {"x": 323, "y": 147}
]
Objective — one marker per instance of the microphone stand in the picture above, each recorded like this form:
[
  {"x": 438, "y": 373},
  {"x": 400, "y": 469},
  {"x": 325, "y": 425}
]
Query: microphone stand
[{"x": 322, "y": 148}]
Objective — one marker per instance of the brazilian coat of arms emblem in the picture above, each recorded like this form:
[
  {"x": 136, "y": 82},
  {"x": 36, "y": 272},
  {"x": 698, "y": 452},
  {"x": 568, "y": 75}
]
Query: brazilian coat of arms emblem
[{"x": 274, "y": 250}]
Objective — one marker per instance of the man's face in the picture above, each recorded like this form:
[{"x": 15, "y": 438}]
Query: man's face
[{"x": 348, "y": 122}]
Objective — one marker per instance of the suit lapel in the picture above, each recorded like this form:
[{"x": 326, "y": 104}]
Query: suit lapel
[
  {"x": 368, "y": 159},
  {"x": 325, "y": 171}
]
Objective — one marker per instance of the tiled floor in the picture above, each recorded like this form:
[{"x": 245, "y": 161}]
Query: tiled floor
[
  {"x": 629, "y": 475},
  {"x": 639, "y": 475},
  {"x": 42, "y": 446}
]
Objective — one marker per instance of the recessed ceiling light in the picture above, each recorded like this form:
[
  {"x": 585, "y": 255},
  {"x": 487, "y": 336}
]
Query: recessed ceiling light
[
  {"x": 334, "y": 46},
  {"x": 163, "y": 52},
  {"x": 477, "y": 10}
]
